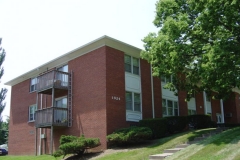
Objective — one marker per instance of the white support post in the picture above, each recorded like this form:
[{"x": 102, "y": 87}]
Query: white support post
[
  {"x": 222, "y": 111},
  {"x": 153, "y": 107},
  {"x": 205, "y": 102}
]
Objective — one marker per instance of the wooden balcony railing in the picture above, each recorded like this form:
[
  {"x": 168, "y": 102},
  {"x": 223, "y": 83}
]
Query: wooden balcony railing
[
  {"x": 56, "y": 79},
  {"x": 53, "y": 116}
]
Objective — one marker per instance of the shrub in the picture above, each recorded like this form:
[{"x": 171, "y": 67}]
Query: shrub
[
  {"x": 129, "y": 135},
  {"x": 176, "y": 124},
  {"x": 213, "y": 124},
  {"x": 157, "y": 125},
  {"x": 58, "y": 153},
  {"x": 231, "y": 125},
  {"x": 75, "y": 145},
  {"x": 200, "y": 121}
]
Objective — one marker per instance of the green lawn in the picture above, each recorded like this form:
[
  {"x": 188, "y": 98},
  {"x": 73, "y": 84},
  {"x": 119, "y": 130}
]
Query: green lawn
[
  {"x": 219, "y": 147},
  {"x": 43, "y": 157},
  {"x": 158, "y": 147},
  {"x": 223, "y": 146}
]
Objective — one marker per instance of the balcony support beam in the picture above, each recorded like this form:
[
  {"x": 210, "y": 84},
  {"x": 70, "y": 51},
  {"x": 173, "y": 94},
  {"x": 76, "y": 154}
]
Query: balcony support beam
[
  {"x": 51, "y": 147},
  {"x": 36, "y": 141}
]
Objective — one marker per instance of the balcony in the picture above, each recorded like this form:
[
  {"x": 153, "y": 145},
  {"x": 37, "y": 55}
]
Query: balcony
[
  {"x": 53, "y": 116},
  {"x": 53, "y": 79}
]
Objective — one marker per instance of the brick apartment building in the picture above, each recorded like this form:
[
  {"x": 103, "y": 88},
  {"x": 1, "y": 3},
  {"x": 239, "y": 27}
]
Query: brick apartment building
[{"x": 94, "y": 90}]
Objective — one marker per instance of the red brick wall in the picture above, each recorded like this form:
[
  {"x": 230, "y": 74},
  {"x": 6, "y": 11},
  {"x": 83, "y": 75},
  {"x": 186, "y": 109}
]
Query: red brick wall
[
  {"x": 183, "y": 108},
  {"x": 115, "y": 91},
  {"x": 232, "y": 106},
  {"x": 146, "y": 89},
  {"x": 89, "y": 95},
  {"x": 237, "y": 102},
  {"x": 21, "y": 132},
  {"x": 199, "y": 103},
  {"x": 215, "y": 104},
  {"x": 157, "y": 97}
]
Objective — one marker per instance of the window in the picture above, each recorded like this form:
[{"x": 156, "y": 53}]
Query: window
[
  {"x": 63, "y": 77},
  {"x": 33, "y": 84},
  {"x": 63, "y": 68},
  {"x": 167, "y": 79},
  {"x": 133, "y": 101},
  {"x": 32, "y": 110},
  {"x": 208, "y": 97},
  {"x": 60, "y": 115},
  {"x": 191, "y": 112},
  {"x": 61, "y": 103},
  {"x": 169, "y": 107},
  {"x": 131, "y": 64}
]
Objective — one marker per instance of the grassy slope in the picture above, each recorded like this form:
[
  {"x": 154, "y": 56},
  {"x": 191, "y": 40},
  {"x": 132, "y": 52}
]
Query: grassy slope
[
  {"x": 157, "y": 148},
  {"x": 42, "y": 157},
  {"x": 220, "y": 147}
]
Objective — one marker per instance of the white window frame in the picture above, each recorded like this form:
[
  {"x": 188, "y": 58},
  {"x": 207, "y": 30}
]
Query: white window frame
[
  {"x": 33, "y": 82},
  {"x": 33, "y": 114},
  {"x": 133, "y": 102},
  {"x": 132, "y": 65},
  {"x": 167, "y": 107}
]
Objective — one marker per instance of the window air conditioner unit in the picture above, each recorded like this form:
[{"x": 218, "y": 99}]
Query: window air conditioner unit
[{"x": 228, "y": 114}]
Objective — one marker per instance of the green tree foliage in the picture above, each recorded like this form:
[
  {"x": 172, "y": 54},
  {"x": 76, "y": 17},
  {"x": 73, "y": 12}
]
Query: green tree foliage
[
  {"x": 75, "y": 145},
  {"x": 198, "y": 43},
  {"x": 4, "y": 131},
  {"x": 3, "y": 91}
]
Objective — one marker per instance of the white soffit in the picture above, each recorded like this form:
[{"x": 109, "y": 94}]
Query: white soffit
[{"x": 93, "y": 45}]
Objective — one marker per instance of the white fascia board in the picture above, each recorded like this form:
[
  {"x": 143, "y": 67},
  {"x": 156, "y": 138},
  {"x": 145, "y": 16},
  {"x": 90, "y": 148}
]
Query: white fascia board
[{"x": 93, "y": 45}]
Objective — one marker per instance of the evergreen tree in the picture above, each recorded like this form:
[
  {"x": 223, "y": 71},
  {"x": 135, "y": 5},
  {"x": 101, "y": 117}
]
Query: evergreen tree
[{"x": 3, "y": 93}]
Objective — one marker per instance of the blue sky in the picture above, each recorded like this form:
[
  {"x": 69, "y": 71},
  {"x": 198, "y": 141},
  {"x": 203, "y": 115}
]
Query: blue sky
[{"x": 37, "y": 31}]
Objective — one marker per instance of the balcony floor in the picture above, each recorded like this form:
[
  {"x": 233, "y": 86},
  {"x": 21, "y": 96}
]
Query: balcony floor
[
  {"x": 56, "y": 90},
  {"x": 49, "y": 125}
]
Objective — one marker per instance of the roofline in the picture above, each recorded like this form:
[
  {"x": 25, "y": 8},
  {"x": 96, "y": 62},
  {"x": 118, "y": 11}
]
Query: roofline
[{"x": 84, "y": 49}]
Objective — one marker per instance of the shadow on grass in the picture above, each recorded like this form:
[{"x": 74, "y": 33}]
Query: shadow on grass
[
  {"x": 85, "y": 156},
  {"x": 230, "y": 136},
  {"x": 190, "y": 135}
]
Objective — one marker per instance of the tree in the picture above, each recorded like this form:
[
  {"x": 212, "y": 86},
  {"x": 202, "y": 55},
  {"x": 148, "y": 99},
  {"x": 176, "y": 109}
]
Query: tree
[
  {"x": 4, "y": 131},
  {"x": 3, "y": 93},
  {"x": 198, "y": 44}
]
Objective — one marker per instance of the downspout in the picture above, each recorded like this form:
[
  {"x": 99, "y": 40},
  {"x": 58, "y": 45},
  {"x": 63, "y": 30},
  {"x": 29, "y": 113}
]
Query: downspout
[
  {"x": 153, "y": 108},
  {"x": 40, "y": 140},
  {"x": 45, "y": 130},
  {"x": 222, "y": 111},
  {"x": 36, "y": 130},
  {"x": 53, "y": 98}
]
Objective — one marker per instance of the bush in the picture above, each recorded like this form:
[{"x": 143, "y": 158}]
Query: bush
[
  {"x": 157, "y": 125},
  {"x": 58, "y": 153},
  {"x": 200, "y": 121},
  {"x": 164, "y": 126},
  {"x": 231, "y": 125},
  {"x": 176, "y": 124},
  {"x": 75, "y": 145},
  {"x": 129, "y": 135}
]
